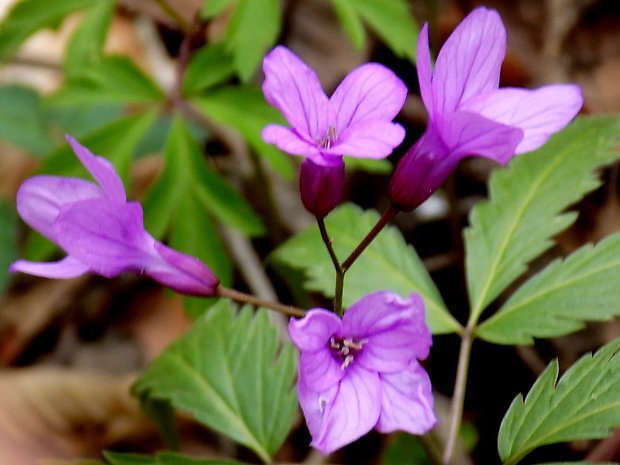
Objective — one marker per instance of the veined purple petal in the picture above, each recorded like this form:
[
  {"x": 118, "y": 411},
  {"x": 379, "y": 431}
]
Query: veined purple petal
[
  {"x": 368, "y": 139},
  {"x": 40, "y": 198},
  {"x": 468, "y": 134},
  {"x": 66, "y": 268},
  {"x": 407, "y": 401},
  {"x": 337, "y": 417},
  {"x": 312, "y": 332},
  {"x": 181, "y": 272},
  {"x": 393, "y": 330},
  {"x": 371, "y": 92},
  {"x": 469, "y": 62},
  {"x": 539, "y": 113},
  {"x": 294, "y": 88},
  {"x": 289, "y": 141},
  {"x": 109, "y": 238},
  {"x": 320, "y": 369},
  {"x": 425, "y": 72},
  {"x": 101, "y": 169}
]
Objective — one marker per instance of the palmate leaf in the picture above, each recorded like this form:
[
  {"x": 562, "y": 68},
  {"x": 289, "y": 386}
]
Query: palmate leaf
[
  {"x": 28, "y": 16},
  {"x": 8, "y": 239},
  {"x": 387, "y": 264},
  {"x": 391, "y": 20},
  {"x": 209, "y": 66},
  {"x": 561, "y": 298},
  {"x": 225, "y": 372},
  {"x": 583, "y": 404},
  {"x": 526, "y": 203}
]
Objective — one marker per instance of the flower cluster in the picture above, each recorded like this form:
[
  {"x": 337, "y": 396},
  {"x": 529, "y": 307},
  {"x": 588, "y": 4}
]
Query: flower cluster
[
  {"x": 362, "y": 371},
  {"x": 102, "y": 232}
]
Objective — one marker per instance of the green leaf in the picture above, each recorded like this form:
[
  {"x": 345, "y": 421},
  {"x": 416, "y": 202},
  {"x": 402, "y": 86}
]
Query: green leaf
[
  {"x": 584, "y": 404},
  {"x": 22, "y": 119},
  {"x": 86, "y": 45},
  {"x": 387, "y": 264},
  {"x": 28, "y": 16},
  {"x": 225, "y": 372},
  {"x": 162, "y": 458},
  {"x": 8, "y": 239},
  {"x": 526, "y": 204},
  {"x": 351, "y": 22},
  {"x": 209, "y": 66},
  {"x": 244, "y": 108},
  {"x": 112, "y": 79},
  {"x": 212, "y": 8},
  {"x": 391, "y": 20},
  {"x": 187, "y": 188},
  {"x": 253, "y": 29},
  {"x": 561, "y": 298}
]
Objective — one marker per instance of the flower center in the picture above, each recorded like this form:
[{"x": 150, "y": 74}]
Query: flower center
[
  {"x": 346, "y": 349},
  {"x": 329, "y": 138}
]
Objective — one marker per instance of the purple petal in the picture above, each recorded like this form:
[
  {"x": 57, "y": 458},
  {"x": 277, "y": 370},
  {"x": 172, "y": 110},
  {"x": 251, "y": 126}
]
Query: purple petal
[
  {"x": 340, "y": 415},
  {"x": 101, "y": 169},
  {"x": 183, "y": 273},
  {"x": 66, "y": 268},
  {"x": 425, "y": 73},
  {"x": 294, "y": 88},
  {"x": 368, "y": 139},
  {"x": 468, "y": 134},
  {"x": 39, "y": 200},
  {"x": 289, "y": 141},
  {"x": 312, "y": 332},
  {"x": 109, "y": 238},
  {"x": 370, "y": 92},
  {"x": 407, "y": 401},
  {"x": 469, "y": 62},
  {"x": 320, "y": 369},
  {"x": 394, "y": 329},
  {"x": 539, "y": 113}
]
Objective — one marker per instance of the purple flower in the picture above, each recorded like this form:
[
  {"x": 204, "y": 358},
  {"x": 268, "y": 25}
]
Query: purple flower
[
  {"x": 100, "y": 231},
  {"x": 362, "y": 371},
  {"x": 469, "y": 115},
  {"x": 355, "y": 121}
]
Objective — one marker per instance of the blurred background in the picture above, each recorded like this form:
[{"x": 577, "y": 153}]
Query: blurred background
[{"x": 70, "y": 349}]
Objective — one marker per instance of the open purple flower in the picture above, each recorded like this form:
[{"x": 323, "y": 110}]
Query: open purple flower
[
  {"x": 100, "y": 231},
  {"x": 356, "y": 121},
  {"x": 362, "y": 372},
  {"x": 469, "y": 115}
]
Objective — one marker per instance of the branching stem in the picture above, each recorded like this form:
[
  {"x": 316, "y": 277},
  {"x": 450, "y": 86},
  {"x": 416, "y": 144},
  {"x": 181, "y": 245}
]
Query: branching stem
[{"x": 242, "y": 297}]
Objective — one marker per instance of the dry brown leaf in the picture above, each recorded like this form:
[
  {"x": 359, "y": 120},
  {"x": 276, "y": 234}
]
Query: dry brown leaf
[{"x": 64, "y": 413}]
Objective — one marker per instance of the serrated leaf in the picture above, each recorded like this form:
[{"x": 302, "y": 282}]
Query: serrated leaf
[
  {"x": 526, "y": 200},
  {"x": 209, "y": 66},
  {"x": 28, "y": 16},
  {"x": 244, "y": 108},
  {"x": 561, "y": 298},
  {"x": 253, "y": 29},
  {"x": 387, "y": 264},
  {"x": 112, "y": 79},
  {"x": 391, "y": 20},
  {"x": 8, "y": 239},
  {"x": 22, "y": 119},
  {"x": 583, "y": 404},
  {"x": 225, "y": 372},
  {"x": 86, "y": 44}
]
